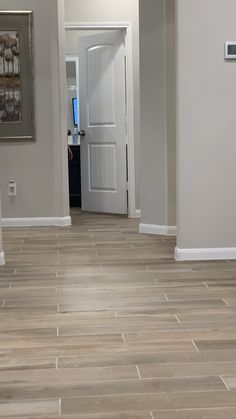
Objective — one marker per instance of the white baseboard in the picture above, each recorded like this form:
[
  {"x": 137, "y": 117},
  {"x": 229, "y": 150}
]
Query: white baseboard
[
  {"x": 205, "y": 254},
  {"x": 157, "y": 229},
  {"x": 2, "y": 258},
  {"x": 137, "y": 213},
  {"x": 36, "y": 222}
]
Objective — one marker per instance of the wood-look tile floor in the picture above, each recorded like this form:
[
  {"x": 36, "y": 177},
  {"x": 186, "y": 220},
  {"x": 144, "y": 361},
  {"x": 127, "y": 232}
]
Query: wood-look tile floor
[{"x": 100, "y": 322}]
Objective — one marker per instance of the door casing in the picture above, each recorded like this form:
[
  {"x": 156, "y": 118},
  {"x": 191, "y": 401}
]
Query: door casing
[{"x": 127, "y": 27}]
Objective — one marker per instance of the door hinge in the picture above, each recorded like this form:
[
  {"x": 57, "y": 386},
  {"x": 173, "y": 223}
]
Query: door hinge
[{"x": 127, "y": 185}]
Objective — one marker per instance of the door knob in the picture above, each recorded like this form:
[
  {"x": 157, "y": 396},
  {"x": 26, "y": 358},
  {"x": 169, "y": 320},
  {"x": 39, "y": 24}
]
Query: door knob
[{"x": 81, "y": 133}]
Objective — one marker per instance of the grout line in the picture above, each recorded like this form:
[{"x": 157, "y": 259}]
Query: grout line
[
  {"x": 139, "y": 375},
  {"x": 58, "y": 308},
  {"x": 197, "y": 409},
  {"x": 59, "y": 407},
  {"x": 225, "y": 384},
  {"x": 177, "y": 318},
  {"x": 123, "y": 336},
  {"x": 194, "y": 344},
  {"x": 57, "y": 331},
  {"x": 225, "y": 302},
  {"x": 161, "y": 377}
]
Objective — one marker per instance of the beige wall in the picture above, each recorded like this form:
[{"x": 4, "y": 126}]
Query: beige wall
[
  {"x": 206, "y": 125},
  {"x": 93, "y": 11},
  {"x": 39, "y": 168},
  {"x": 157, "y": 84}
]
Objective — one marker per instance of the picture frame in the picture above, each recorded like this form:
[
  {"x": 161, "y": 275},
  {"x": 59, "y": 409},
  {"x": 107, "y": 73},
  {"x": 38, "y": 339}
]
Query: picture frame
[{"x": 17, "y": 117}]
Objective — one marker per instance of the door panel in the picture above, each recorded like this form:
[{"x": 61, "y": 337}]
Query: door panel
[
  {"x": 101, "y": 86},
  {"x": 102, "y": 99},
  {"x": 103, "y": 167}
]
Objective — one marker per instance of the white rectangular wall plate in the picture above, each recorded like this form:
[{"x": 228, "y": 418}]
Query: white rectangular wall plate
[
  {"x": 12, "y": 188},
  {"x": 230, "y": 50}
]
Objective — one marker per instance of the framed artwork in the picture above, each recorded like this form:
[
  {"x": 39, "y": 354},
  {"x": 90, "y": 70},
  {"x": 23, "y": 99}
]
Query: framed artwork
[{"x": 17, "y": 121}]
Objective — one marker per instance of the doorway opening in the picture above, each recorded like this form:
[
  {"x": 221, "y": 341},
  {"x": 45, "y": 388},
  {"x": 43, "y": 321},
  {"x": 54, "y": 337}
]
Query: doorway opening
[
  {"x": 73, "y": 126},
  {"x": 101, "y": 173}
]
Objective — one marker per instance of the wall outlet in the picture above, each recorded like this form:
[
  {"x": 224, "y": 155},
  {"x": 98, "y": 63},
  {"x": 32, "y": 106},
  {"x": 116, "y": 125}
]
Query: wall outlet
[{"x": 12, "y": 188}]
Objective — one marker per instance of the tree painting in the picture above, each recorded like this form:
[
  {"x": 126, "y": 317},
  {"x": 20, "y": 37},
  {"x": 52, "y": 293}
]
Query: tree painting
[{"x": 10, "y": 80}]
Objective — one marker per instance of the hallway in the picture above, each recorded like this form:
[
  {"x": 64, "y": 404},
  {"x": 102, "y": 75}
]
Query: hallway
[{"x": 100, "y": 322}]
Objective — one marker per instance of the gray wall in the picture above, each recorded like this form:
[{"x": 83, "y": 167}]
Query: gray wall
[
  {"x": 93, "y": 11},
  {"x": 206, "y": 125},
  {"x": 1, "y": 249},
  {"x": 157, "y": 84},
  {"x": 39, "y": 168},
  {"x": 171, "y": 108}
]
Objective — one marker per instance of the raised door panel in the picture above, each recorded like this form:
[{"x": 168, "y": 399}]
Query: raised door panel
[
  {"x": 102, "y": 161},
  {"x": 101, "y": 85}
]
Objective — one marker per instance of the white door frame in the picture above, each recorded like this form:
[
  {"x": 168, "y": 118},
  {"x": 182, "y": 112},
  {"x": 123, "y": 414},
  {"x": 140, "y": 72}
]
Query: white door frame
[
  {"x": 74, "y": 59},
  {"x": 127, "y": 26}
]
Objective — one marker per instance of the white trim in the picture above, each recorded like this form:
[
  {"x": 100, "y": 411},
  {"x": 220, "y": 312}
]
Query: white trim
[
  {"x": 96, "y": 25},
  {"x": 60, "y": 130},
  {"x": 157, "y": 229},
  {"x": 39, "y": 222},
  {"x": 205, "y": 254},
  {"x": 16, "y": 11},
  {"x": 130, "y": 98},
  {"x": 130, "y": 121},
  {"x": 75, "y": 59},
  {"x": 137, "y": 214},
  {"x": 2, "y": 259}
]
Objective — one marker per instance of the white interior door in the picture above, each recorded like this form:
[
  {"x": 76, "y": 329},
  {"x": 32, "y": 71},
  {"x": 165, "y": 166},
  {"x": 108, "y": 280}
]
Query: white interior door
[{"x": 103, "y": 119}]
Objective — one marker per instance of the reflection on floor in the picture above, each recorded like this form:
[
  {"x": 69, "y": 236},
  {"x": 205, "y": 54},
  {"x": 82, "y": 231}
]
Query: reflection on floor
[{"x": 98, "y": 321}]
